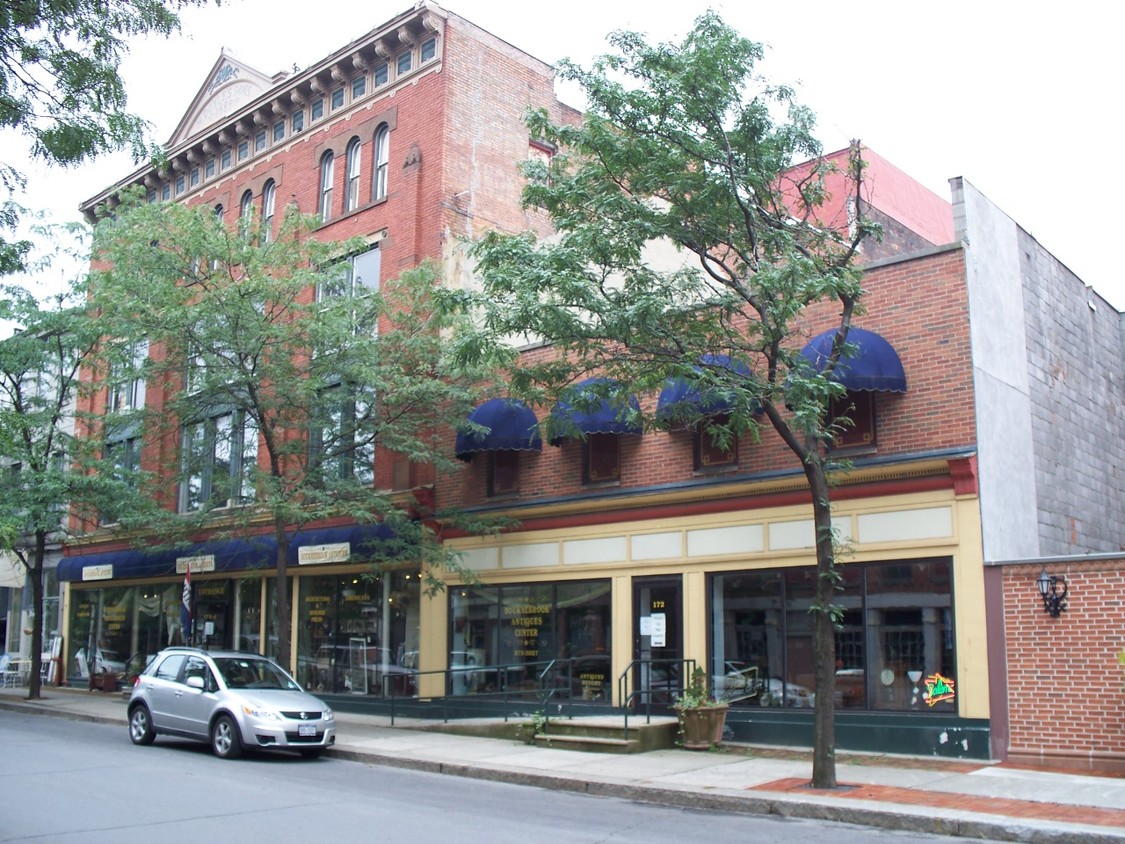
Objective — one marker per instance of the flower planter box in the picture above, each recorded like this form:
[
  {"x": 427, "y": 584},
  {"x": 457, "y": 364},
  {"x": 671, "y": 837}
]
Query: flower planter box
[{"x": 702, "y": 727}]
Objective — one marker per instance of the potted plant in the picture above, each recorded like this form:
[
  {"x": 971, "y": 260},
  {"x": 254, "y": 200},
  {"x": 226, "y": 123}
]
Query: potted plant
[{"x": 701, "y": 716}]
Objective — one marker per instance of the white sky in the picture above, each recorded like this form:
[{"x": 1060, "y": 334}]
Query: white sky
[{"x": 1020, "y": 99}]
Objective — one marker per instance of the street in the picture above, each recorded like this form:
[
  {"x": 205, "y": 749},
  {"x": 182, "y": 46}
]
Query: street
[{"x": 70, "y": 781}]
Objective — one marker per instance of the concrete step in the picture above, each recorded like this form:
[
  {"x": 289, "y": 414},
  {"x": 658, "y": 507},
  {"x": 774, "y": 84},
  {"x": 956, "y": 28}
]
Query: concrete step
[{"x": 606, "y": 734}]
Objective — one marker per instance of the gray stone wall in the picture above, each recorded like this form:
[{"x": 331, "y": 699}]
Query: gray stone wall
[
  {"x": 1049, "y": 378},
  {"x": 1076, "y": 362}
]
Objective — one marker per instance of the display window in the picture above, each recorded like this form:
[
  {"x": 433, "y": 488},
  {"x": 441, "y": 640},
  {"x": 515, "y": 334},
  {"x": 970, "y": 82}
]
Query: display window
[
  {"x": 894, "y": 637},
  {"x": 358, "y": 633},
  {"x": 518, "y": 638}
]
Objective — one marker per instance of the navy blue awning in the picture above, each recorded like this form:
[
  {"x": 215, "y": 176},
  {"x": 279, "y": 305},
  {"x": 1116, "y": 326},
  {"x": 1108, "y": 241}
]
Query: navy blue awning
[
  {"x": 872, "y": 363},
  {"x": 231, "y": 554},
  {"x": 511, "y": 424},
  {"x": 595, "y": 406},
  {"x": 683, "y": 398}
]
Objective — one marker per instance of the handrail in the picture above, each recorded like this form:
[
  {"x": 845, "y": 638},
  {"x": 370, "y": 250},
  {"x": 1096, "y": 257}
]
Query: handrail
[
  {"x": 501, "y": 671},
  {"x": 686, "y": 667}
]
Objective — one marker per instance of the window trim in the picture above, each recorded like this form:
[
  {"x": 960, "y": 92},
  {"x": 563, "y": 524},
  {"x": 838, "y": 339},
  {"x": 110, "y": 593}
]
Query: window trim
[
  {"x": 269, "y": 199},
  {"x": 327, "y": 175},
  {"x": 380, "y": 172},
  {"x": 353, "y": 165}
]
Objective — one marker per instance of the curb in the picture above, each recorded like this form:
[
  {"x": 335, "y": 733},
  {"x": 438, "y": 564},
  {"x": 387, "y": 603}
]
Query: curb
[
  {"x": 904, "y": 819},
  {"x": 817, "y": 807}
]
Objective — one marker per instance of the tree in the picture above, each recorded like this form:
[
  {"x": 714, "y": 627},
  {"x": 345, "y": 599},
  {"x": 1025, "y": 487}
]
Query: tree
[
  {"x": 284, "y": 365},
  {"x": 48, "y": 472},
  {"x": 687, "y": 145},
  {"x": 61, "y": 88}
]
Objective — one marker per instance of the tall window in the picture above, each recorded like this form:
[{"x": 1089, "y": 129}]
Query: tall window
[
  {"x": 358, "y": 275},
  {"x": 351, "y": 197},
  {"x": 246, "y": 213},
  {"x": 219, "y": 453},
  {"x": 126, "y": 381},
  {"x": 382, "y": 160},
  {"x": 354, "y": 278},
  {"x": 122, "y": 432},
  {"x": 342, "y": 443},
  {"x": 327, "y": 168},
  {"x": 269, "y": 199}
]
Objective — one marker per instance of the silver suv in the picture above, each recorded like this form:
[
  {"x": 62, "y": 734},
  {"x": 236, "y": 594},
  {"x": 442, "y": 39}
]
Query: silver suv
[{"x": 232, "y": 700}]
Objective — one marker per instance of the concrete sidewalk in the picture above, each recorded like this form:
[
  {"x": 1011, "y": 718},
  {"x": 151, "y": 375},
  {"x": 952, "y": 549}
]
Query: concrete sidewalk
[{"x": 970, "y": 800}]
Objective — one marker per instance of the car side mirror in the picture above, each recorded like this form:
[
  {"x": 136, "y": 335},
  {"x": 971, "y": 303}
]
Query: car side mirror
[{"x": 195, "y": 682}]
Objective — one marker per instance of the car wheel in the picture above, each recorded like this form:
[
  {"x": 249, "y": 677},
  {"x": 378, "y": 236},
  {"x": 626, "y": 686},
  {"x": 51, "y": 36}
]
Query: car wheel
[
  {"x": 225, "y": 740},
  {"x": 312, "y": 753},
  {"x": 140, "y": 725}
]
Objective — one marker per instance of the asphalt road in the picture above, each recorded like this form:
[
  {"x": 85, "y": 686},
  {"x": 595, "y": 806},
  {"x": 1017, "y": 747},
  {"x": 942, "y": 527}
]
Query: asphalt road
[{"x": 70, "y": 781}]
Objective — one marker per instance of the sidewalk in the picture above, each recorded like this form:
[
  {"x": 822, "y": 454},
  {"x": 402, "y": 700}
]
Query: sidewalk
[{"x": 970, "y": 800}]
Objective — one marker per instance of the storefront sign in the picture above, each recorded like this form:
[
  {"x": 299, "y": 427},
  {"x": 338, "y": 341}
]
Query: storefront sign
[
  {"x": 198, "y": 564},
  {"x": 102, "y": 572},
  {"x": 526, "y": 621},
  {"x": 310, "y": 555}
]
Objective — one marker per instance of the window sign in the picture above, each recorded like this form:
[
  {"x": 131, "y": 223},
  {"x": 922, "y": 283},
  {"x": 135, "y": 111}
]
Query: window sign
[{"x": 659, "y": 630}]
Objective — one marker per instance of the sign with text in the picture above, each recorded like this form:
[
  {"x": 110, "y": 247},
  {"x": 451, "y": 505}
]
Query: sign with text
[
  {"x": 311, "y": 555},
  {"x": 206, "y": 562}
]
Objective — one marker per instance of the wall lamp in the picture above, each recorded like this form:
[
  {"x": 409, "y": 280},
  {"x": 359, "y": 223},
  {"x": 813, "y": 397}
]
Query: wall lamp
[{"x": 1054, "y": 601}]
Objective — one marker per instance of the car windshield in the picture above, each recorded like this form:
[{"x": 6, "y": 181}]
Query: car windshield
[{"x": 250, "y": 673}]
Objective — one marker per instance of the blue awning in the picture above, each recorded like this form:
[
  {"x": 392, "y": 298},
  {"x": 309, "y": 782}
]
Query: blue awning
[
  {"x": 683, "y": 398},
  {"x": 872, "y": 364},
  {"x": 511, "y": 424},
  {"x": 595, "y": 406},
  {"x": 230, "y": 554}
]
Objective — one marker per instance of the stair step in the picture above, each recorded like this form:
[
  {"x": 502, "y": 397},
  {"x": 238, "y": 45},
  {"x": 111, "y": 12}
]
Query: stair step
[{"x": 552, "y": 738}]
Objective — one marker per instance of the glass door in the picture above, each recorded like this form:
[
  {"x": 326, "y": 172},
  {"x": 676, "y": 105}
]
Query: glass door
[{"x": 658, "y": 644}]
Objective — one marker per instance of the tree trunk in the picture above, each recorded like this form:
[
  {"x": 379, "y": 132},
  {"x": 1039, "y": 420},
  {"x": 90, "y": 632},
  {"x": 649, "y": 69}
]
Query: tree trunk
[
  {"x": 824, "y": 631},
  {"x": 35, "y": 572}
]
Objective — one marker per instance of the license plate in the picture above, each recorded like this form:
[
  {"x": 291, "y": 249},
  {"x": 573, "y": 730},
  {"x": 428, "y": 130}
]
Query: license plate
[{"x": 306, "y": 729}]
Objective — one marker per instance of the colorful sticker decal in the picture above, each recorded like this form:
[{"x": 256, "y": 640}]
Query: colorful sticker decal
[{"x": 938, "y": 688}]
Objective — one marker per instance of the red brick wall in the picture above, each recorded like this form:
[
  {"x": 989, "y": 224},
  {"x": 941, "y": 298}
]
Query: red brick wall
[
  {"x": 1066, "y": 689},
  {"x": 918, "y": 305}
]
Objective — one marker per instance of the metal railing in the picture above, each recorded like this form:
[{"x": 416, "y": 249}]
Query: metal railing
[
  {"x": 541, "y": 683},
  {"x": 658, "y": 680}
]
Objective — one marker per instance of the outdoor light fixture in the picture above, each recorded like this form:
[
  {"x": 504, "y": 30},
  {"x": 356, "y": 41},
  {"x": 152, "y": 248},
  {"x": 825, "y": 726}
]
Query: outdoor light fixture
[{"x": 1054, "y": 601}]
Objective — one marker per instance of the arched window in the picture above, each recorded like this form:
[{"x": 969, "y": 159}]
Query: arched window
[
  {"x": 327, "y": 168},
  {"x": 269, "y": 196},
  {"x": 382, "y": 159},
  {"x": 219, "y": 212},
  {"x": 351, "y": 198},
  {"x": 246, "y": 212}
]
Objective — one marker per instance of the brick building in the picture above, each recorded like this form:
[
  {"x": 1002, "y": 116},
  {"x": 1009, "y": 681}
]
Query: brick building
[{"x": 998, "y": 441}]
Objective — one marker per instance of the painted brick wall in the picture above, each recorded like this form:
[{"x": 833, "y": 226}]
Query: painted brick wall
[
  {"x": 917, "y": 304},
  {"x": 1074, "y": 358},
  {"x": 1066, "y": 689}
]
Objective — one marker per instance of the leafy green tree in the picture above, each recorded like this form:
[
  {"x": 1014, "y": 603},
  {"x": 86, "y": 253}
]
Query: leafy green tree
[
  {"x": 48, "y": 472},
  {"x": 687, "y": 145},
  {"x": 60, "y": 86},
  {"x": 284, "y": 364}
]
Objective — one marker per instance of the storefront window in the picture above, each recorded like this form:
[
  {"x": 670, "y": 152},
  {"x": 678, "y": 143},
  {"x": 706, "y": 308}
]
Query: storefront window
[
  {"x": 127, "y": 624},
  {"x": 894, "y": 637},
  {"x": 517, "y": 638},
  {"x": 357, "y": 633}
]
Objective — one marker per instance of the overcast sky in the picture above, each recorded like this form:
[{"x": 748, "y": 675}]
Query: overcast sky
[{"x": 1023, "y": 100}]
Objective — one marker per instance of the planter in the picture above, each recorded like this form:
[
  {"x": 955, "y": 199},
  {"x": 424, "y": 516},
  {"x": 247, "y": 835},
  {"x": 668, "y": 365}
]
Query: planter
[{"x": 702, "y": 727}]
